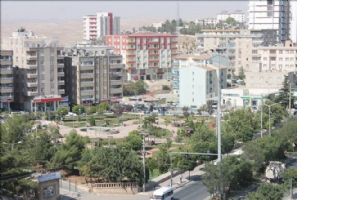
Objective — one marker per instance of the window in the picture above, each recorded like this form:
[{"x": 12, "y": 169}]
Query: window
[
  {"x": 264, "y": 58},
  {"x": 280, "y": 51},
  {"x": 281, "y": 59}
]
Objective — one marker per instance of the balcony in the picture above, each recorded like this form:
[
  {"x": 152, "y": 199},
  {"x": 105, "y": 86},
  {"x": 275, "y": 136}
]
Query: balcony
[
  {"x": 61, "y": 91},
  {"x": 61, "y": 82},
  {"x": 32, "y": 66},
  {"x": 6, "y": 70},
  {"x": 31, "y": 57},
  {"x": 86, "y": 83},
  {"x": 86, "y": 92},
  {"x": 116, "y": 82},
  {"x": 32, "y": 75},
  {"x": 86, "y": 75},
  {"x": 115, "y": 91},
  {"x": 32, "y": 93},
  {"x": 60, "y": 73},
  {"x": 5, "y": 62},
  {"x": 6, "y": 90},
  {"x": 31, "y": 84}
]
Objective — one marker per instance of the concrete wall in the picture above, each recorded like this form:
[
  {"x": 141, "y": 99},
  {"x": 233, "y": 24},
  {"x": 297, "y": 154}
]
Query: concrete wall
[{"x": 272, "y": 80}]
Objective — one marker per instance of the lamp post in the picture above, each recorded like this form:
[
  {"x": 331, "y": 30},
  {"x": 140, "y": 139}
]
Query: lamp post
[
  {"x": 143, "y": 152},
  {"x": 269, "y": 106},
  {"x": 261, "y": 118}
]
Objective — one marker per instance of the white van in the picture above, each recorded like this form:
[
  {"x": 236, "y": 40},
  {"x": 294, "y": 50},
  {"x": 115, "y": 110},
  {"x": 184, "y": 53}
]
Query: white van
[{"x": 163, "y": 193}]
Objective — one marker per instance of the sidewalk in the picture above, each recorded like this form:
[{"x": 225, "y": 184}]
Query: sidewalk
[{"x": 182, "y": 179}]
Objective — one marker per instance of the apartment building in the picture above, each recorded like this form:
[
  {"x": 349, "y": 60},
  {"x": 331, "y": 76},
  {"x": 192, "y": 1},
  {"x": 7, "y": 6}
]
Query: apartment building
[
  {"x": 198, "y": 83},
  {"x": 40, "y": 71},
  {"x": 238, "y": 16},
  {"x": 206, "y": 22},
  {"x": 94, "y": 74},
  {"x": 236, "y": 45},
  {"x": 281, "y": 58},
  {"x": 6, "y": 79},
  {"x": 241, "y": 97},
  {"x": 99, "y": 25},
  {"x": 270, "y": 15},
  {"x": 148, "y": 56}
]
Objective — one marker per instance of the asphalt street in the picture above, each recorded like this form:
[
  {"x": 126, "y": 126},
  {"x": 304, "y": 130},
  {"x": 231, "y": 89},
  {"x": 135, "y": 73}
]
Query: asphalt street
[{"x": 194, "y": 190}]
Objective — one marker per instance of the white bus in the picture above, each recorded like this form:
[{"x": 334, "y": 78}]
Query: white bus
[{"x": 163, "y": 193}]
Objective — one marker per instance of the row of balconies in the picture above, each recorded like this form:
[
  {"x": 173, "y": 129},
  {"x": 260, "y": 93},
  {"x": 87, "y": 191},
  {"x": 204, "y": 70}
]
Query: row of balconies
[
  {"x": 6, "y": 70},
  {"x": 4, "y": 89}
]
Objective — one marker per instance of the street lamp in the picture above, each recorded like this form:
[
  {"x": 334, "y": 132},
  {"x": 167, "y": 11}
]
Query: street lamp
[
  {"x": 143, "y": 152},
  {"x": 269, "y": 106}
]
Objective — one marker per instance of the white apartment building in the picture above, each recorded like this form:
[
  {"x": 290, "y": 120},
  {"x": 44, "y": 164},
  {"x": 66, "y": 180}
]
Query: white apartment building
[
  {"x": 270, "y": 15},
  {"x": 238, "y": 16},
  {"x": 207, "y": 21},
  {"x": 6, "y": 79},
  {"x": 198, "y": 83},
  {"x": 293, "y": 21},
  {"x": 99, "y": 25},
  {"x": 282, "y": 58},
  {"x": 40, "y": 70},
  {"x": 96, "y": 74},
  {"x": 241, "y": 97}
]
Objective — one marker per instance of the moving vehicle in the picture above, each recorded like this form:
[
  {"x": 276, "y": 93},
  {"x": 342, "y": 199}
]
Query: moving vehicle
[{"x": 163, "y": 193}]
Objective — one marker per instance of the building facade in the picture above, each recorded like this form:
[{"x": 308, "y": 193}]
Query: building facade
[
  {"x": 96, "y": 75},
  {"x": 282, "y": 58},
  {"x": 235, "y": 44},
  {"x": 147, "y": 56},
  {"x": 238, "y": 16},
  {"x": 272, "y": 15},
  {"x": 99, "y": 25},
  {"x": 198, "y": 84},
  {"x": 40, "y": 71},
  {"x": 6, "y": 79},
  {"x": 242, "y": 97},
  {"x": 207, "y": 22}
]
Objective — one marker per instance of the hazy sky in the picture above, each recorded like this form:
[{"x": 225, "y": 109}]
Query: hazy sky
[{"x": 63, "y": 10}]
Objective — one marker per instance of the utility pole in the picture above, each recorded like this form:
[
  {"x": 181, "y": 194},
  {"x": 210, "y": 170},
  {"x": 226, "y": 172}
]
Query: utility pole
[
  {"x": 270, "y": 116},
  {"x": 144, "y": 164},
  {"x": 289, "y": 100},
  {"x": 218, "y": 117},
  {"x": 261, "y": 118}
]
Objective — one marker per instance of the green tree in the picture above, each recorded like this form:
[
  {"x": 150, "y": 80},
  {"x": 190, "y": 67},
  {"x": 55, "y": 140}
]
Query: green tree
[
  {"x": 79, "y": 109},
  {"x": 91, "y": 110},
  {"x": 134, "y": 140},
  {"x": 102, "y": 107},
  {"x": 91, "y": 121},
  {"x": 283, "y": 96},
  {"x": 62, "y": 111},
  {"x": 231, "y": 21},
  {"x": 134, "y": 88},
  {"x": 203, "y": 140},
  {"x": 14, "y": 129},
  {"x": 69, "y": 153},
  {"x": 241, "y": 74},
  {"x": 241, "y": 124},
  {"x": 267, "y": 191},
  {"x": 43, "y": 149},
  {"x": 230, "y": 174},
  {"x": 162, "y": 158},
  {"x": 112, "y": 165},
  {"x": 290, "y": 175}
]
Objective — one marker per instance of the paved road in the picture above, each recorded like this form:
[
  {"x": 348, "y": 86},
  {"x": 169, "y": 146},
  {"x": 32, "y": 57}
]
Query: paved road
[{"x": 194, "y": 190}]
